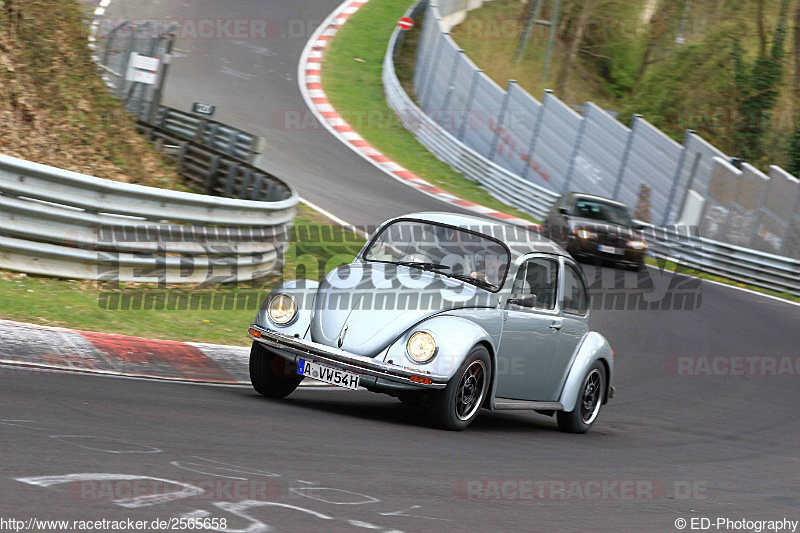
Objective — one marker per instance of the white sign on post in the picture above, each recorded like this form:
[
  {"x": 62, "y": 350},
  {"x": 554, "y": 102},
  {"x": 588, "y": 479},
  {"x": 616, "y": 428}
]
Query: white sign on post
[
  {"x": 142, "y": 69},
  {"x": 145, "y": 63}
]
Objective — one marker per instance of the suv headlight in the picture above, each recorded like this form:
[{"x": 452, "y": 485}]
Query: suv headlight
[
  {"x": 282, "y": 309},
  {"x": 421, "y": 347},
  {"x": 637, "y": 245},
  {"x": 585, "y": 234}
]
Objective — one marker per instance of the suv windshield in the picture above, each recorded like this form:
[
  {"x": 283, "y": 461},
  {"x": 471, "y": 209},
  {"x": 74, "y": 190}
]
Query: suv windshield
[
  {"x": 451, "y": 251},
  {"x": 596, "y": 210}
]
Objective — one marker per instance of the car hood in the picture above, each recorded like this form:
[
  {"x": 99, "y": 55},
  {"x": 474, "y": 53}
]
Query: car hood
[
  {"x": 604, "y": 228},
  {"x": 377, "y": 302}
]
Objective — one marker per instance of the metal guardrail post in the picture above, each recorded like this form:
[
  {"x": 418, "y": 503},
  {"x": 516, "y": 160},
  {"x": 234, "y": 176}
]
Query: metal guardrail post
[
  {"x": 211, "y": 177},
  {"x": 500, "y": 119},
  {"x": 257, "y": 184},
  {"x": 535, "y": 134},
  {"x": 457, "y": 59},
  {"x": 673, "y": 190},
  {"x": 462, "y": 129},
  {"x": 433, "y": 70},
  {"x": 245, "y": 184},
  {"x": 231, "y": 179},
  {"x": 576, "y": 149},
  {"x": 423, "y": 60},
  {"x": 624, "y": 162}
]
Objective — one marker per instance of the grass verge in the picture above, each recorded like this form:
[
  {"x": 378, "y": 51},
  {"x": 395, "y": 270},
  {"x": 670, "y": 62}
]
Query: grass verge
[
  {"x": 222, "y": 312},
  {"x": 351, "y": 74}
]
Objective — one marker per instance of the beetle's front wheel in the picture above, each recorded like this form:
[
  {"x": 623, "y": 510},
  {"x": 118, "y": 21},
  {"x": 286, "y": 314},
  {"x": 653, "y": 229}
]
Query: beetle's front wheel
[
  {"x": 272, "y": 375},
  {"x": 590, "y": 398},
  {"x": 455, "y": 407}
]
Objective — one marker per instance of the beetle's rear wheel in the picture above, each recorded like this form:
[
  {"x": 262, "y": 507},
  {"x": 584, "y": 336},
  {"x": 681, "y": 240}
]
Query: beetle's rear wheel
[
  {"x": 456, "y": 406},
  {"x": 590, "y": 398},
  {"x": 272, "y": 375}
]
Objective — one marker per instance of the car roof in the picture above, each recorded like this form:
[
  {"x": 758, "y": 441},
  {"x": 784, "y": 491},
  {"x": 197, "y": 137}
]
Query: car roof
[{"x": 520, "y": 240}]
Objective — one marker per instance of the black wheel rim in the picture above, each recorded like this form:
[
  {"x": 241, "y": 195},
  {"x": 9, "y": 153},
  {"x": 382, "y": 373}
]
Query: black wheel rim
[
  {"x": 471, "y": 390},
  {"x": 591, "y": 397}
]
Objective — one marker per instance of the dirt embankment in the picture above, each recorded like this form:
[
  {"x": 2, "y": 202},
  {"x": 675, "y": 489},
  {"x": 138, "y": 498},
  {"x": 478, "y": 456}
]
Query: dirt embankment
[{"x": 54, "y": 107}]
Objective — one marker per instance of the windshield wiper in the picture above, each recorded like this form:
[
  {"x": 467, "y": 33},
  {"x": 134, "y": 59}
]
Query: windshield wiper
[
  {"x": 469, "y": 279},
  {"x": 423, "y": 265}
]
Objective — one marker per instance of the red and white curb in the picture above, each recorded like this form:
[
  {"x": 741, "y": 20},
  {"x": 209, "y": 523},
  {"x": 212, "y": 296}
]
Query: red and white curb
[
  {"x": 309, "y": 78},
  {"x": 36, "y": 347}
]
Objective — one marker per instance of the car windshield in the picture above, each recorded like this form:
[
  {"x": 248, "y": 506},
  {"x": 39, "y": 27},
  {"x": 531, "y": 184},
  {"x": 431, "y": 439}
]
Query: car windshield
[
  {"x": 454, "y": 252},
  {"x": 605, "y": 212}
]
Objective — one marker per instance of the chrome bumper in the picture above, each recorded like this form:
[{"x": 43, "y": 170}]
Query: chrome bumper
[{"x": 343, "y": 360}]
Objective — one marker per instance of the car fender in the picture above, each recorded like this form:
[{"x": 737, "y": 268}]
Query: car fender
[
  {"x": 594, "y": 347},
  {"x": 455, "y": 337},
  {"x": 303, "y": 292}
]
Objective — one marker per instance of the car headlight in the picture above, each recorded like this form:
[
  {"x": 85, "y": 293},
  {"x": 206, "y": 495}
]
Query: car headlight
[
  {"x": 421, "y": 347},
  {"x": 637, "y": 245},
  {"x": 282, "y": 309},
  {"x": 585, "y": 234}
]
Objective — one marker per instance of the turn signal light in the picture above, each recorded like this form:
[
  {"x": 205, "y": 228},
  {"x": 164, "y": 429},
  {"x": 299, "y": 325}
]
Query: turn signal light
[
  {"x": 255, "y": 333},
  {"x": 420, "y": 379}
]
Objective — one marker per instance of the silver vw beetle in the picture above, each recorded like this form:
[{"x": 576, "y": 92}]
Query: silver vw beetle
[{"x": 453, "y": 312}]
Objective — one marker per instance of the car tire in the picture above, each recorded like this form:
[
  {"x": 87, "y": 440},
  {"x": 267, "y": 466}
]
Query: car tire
[
  {"x": 272, "y": 375},
  {"x": 455, "y": 407},
  {"x": 590, "y": 400}
]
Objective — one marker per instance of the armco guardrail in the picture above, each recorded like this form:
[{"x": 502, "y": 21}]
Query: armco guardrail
[
  {"x": 215, "y": 172},
  {"x": 733, "y": 262},
  {"x": 60, "y": 223},
  {"x": 221, "y": 137},
  {"x": 501, "y": 183}
]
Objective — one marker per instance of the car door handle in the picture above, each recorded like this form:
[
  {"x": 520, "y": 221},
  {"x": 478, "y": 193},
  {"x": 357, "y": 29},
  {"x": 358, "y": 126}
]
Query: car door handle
[{"x": 555, "y": 325}]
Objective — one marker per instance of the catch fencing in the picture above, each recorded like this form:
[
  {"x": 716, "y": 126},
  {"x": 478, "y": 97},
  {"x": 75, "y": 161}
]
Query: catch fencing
[
  {"x": 550, "y": 146},
  {"x": 116, "y": 45}
]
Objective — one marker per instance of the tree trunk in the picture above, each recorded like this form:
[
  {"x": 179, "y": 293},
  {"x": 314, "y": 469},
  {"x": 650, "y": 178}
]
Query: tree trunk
[
  {"x": 762, "y": 33},
  {"x": 797, "y": 55},
  {"x": 575, "y": 43},
  {"x": 657, "y": 30}
]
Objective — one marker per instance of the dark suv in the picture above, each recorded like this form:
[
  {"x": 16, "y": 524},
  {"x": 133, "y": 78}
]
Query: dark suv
[{"x": 589, "y": 226}]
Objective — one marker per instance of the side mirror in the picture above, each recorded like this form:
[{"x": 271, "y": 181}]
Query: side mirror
[
  {"x": 563, "y": 211},
  {"x": 529, "y": 300},
  {"x": 639, "y": 227}
]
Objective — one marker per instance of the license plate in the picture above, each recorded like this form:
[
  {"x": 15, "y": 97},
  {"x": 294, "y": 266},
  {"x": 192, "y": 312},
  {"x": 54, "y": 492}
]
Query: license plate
[
  {"x": 326, "y": 374},
  {"x": 608, "y": 249}
]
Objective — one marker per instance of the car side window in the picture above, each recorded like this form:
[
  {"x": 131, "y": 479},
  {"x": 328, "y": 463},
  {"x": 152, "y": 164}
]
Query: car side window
[
  {"x": 538, "y": 278},
  {"x": 575, "y": 296}
]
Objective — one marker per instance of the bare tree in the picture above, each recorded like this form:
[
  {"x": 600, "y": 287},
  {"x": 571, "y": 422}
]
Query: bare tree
[
  {"x": 797, "y": 52},
  {"x": 587, "y": 9},
  {"x": 656, "y": 31},
  {"x": 762, "y": 32}
]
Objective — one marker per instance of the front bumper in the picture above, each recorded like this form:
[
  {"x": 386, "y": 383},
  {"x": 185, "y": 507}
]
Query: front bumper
[
  {"x": 294, "y": 347},
  {"x": 588, "y": 248}
]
